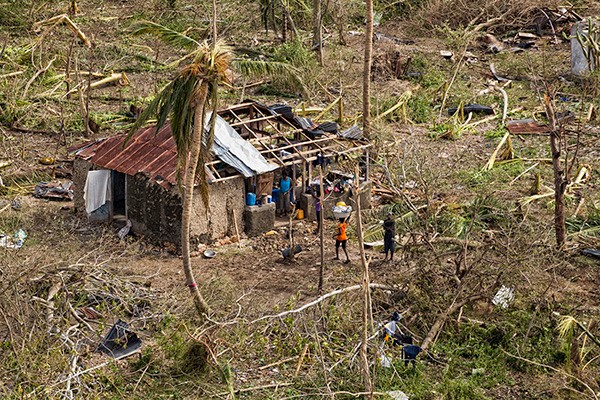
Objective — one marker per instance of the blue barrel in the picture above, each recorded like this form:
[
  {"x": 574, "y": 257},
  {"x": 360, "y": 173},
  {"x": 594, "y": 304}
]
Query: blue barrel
[{"x": 250, "y": 199}]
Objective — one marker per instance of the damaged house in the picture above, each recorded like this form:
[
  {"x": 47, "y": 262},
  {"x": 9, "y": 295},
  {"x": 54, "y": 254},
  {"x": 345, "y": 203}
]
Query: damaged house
[{"x": 253, "y": 145}]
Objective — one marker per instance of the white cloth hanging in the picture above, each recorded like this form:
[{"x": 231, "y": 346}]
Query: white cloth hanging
[{"x": 97, "y": 190}]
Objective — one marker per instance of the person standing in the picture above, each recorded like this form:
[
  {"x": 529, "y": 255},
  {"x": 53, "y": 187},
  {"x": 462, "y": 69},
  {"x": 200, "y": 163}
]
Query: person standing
[
  {"x": 341, "y": 239},
  {"x": 285, "y": 186},
  {"x": 389, "y": 232}
]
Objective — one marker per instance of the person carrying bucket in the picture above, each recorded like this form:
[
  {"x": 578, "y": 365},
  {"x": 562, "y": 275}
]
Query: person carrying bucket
[{"x": 341, "y": 239}]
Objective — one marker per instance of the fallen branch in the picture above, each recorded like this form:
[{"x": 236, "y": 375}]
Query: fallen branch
[
  {"x": 320, "y": 299},
  {"x": 59, "y": 19},
  {"x": 490, "y": 164},
  {"x": 277, "y": 363},
  {"x": 121, "y": 78},
  {"x": 251, "y": 389},
  {"x": 9, "y": 75},
  {"x": 35, "y": 76}
]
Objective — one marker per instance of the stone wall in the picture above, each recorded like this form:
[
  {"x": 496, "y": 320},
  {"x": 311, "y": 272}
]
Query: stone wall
[
  {"x": 226, "y": 198},
  {"x": 259, "y": 219},
  {"x": 154, "y": 211}
]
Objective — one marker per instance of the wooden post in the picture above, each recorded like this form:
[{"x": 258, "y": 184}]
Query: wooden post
[
  {"x": 237, "y": 231},
  {"x": 340, "y": 111},
  {"x": 367, "y": 316},
  {"x": 321, "y": 230}
]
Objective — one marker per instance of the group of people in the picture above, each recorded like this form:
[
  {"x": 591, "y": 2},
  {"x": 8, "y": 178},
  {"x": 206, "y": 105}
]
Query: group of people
[
  {"x": 341, "y": 237},
  {"x": 389, "y": 233}
]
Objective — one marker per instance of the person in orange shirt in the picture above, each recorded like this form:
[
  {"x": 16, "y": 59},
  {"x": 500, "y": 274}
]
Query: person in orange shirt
[{"x": 341, "y": 239}]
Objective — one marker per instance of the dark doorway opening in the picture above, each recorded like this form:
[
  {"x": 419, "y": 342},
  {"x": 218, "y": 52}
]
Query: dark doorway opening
[{"x": 119, "y": 194}]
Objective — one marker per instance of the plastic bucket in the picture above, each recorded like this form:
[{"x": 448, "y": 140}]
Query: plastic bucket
[
  {"x": 300, "y": 214},
  {"x": 250, "y": 199},
  {"x": 269, "y": 199}
]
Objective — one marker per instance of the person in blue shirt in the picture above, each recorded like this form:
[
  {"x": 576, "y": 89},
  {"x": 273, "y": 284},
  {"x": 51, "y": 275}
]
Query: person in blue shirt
[{"x": 285, "y": 186}]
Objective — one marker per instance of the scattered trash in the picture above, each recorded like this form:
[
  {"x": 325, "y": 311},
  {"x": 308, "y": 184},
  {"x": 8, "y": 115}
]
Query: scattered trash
[
  {"x": 272, "y": 232},
  {"x": 286, "y": 253},
  {"x": 385, "y": 361},
  {"x": 397, "y": 395},
  {"x": 15, "y": 241},
  {"x": 478, "y": 371},
  {"x": 504, "y": 297},
  {"x": 496, "y": 76},
  {"x": 585, "y": 37},
  {"x": 354, "y": 132},
  {"x": 124, "y": 231},
  {"x": 526, "y": 127},
  {"x": 209, "y": 253},
  {"x": 494, "y": 45},
  {"x": 54, "y": 190},
  {"x": 591, "y": 253},
  {"x": 16, "y": 204},
  {"x": 472, "y": 108},
  {"x": 120, "y": 341},
  {"x": 89, "y": 313},
  {"x": 446, "y": 54},
  {"x": 47, "y": 161}
]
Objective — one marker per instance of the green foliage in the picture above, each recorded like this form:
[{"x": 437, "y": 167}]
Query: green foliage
[
  {"x": 496, "y": 133},
  {"x": 295, "y": 53},
  {"x": 420, "y": 109}
]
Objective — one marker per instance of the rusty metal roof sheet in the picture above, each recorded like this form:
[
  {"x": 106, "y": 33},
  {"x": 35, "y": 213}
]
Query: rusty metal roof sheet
[
  {"x": 526, "y": 126},
  {"x": 147, "y": 151}
]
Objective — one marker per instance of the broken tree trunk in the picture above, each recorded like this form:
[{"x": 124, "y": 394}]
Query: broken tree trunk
[
  {"x": 366, "y": 312},
  {"x": 321, "y": 230},
  {"x": 560, "y": 180}
]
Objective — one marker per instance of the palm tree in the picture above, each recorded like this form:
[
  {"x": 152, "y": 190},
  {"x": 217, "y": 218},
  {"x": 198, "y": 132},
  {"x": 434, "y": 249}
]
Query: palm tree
[{"x": 187, "y": 99}]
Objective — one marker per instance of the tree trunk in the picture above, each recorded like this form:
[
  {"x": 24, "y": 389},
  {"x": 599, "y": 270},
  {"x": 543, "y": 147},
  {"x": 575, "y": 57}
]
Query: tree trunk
[
  {"x": 366, "y": 311},
  {"x": 321, "y": 230},
  {"x": 317, "y": 30},
  {"x": 560, "y": 180},
  {"x": 214, "y": 21},
  {"x": 186, "y": 215},
  {"x": 367, "y": 71}
]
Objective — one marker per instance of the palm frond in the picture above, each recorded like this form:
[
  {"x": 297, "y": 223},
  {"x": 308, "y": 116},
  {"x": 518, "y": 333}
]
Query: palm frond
[
  {"x": 283, "y": 72},
  {"x": 167, "y": 35}
]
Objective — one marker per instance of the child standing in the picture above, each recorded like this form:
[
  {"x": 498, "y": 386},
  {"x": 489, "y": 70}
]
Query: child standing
[{"x": 341, "y": 239}]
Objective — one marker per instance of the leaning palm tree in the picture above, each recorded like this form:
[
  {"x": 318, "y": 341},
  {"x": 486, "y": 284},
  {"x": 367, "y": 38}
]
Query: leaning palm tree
[{"x": 187, "y": 100}]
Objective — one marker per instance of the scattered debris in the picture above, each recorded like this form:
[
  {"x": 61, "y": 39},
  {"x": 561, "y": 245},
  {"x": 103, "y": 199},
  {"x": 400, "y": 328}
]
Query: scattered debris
[
  {"x": 354, "y": 132},
  {"x": 89, "y": 313},
  {"x": 397, "y": 395},
  {"x": 446, "y": 54},
  {"x": 494, "y": 45},
  {"x": 410, "y": 353},
  {"x": 504, "y": 297},
  {"x": 124, "y": 231},
  {"x": 209, "y": 253},
  {"x": 286, "y": 253},
  {"x": 15, "y": 241},
  {"x": 585, "y": 46},
  {"x": 54, "y": 190},
  {"x": 472, "y": 108},
  {"x": 526, "y": 127},
  {"x": 496, "y": 76},
  {"x": 591, "y": 253},
  {"x": 120, "y": 341}
]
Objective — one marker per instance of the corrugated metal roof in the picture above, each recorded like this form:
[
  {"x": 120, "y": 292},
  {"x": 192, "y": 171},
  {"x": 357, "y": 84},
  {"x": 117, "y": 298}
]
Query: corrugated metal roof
[
  {"x": 155, "y": 154},
  {"x": 149, "y": 152}
]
